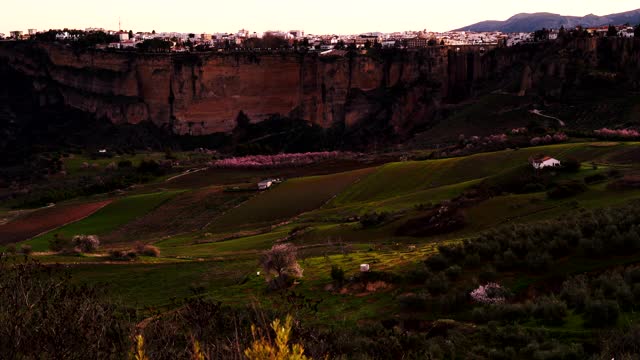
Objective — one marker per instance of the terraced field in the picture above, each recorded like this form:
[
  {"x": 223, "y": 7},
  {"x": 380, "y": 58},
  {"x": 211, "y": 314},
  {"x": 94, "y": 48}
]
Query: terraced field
[
  {"x": 286, "y": 200},
  {"x": 211, "y": 239},
  {"x": 108, "y": 218}
]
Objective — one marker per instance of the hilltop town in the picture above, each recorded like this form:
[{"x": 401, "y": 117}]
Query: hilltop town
[{"x": 297, "y": 39}]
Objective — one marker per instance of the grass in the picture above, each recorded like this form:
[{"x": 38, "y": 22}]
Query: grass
[
  {"x": 324, "y": 204},
  {"x": 106, "y": 219},
  {"x": 141, "y": 285},
  {"x": 285, "y": 201},
  {"x": 245, "y": 244}
]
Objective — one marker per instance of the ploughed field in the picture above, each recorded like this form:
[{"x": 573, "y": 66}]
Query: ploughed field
[{"x": 212, "y": 226}]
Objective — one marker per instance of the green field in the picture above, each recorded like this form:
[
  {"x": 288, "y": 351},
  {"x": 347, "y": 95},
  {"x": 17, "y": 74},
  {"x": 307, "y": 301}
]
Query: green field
[
  {"x": 286, "y": 200},
  {"x": 110, "y": 217},
  {"x": 221, "y": 259}
]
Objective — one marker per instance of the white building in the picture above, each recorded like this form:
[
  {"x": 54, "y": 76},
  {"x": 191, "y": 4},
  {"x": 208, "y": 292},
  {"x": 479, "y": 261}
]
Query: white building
[
  {"x": 545, "y": 162},
  {"x": 265, "y": 184}
]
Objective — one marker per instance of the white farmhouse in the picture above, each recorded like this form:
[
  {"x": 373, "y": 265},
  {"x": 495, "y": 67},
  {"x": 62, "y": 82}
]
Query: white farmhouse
[{"x": 545, "y": 162}]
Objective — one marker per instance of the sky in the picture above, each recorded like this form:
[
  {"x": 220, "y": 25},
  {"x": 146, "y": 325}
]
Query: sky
[{"x": 312, "y": 16}]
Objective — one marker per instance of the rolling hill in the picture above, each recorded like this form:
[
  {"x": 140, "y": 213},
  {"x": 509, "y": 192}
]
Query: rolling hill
[{"x": 528, "y": 22}]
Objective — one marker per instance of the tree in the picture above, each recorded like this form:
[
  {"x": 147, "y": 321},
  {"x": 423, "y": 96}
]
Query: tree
[
  {"x": 130, "y": 34},
  {"x": 280, "y": 265},
  {"x": 86, "y": 243},
  {"x": 636, "y": 31},
  {"x": 612, "y": 31},
  {"x": 541, "y": 35},
  {"x": 153, "y": 32}
]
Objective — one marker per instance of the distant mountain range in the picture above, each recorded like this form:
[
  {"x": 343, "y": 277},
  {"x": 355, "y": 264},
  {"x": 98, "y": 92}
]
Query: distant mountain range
[{"x": 530, "y": 22}]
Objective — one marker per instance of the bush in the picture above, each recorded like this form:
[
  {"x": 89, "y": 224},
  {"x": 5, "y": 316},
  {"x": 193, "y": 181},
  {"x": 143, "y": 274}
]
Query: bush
[
  {"x": 125, "y": 164},
  {"x": 566, "y": 189},
  {"x": 86, "y": 243},
  {"x": 438, "y": 284},
  {"x": 45, "y": 316},
  {"x": 437, "y": 262},
  {"x": 488, "y": 274},
  {"x": 571, "y": 164},
  {"x": 413, "y": 302},
  {"x": 146, "y": 249},
  {"x": 373, "y": 218},
  {"x": 533, "y": 188},
  {"x": 592, "y": 179},
  {"x": 26, "y": 249},
  {"x": 453, "y": 272},
  {"x": 337, "y": 274},
  {"x": 601, "y": 313},
  {"x": 59, "y": 243},
  {"x": 11, "y": 249},
  {"x": 120, "y": 255},
  {"x": 550, "y": 310}
]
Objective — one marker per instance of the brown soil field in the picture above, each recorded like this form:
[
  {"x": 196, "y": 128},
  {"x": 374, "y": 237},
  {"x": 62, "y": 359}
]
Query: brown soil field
[{"x": 37, "y": 222}]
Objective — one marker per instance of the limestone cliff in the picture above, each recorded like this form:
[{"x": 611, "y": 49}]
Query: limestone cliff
[{"x": 203, "y": 93}]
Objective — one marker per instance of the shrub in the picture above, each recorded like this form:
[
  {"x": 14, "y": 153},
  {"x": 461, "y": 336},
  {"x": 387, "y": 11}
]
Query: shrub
[
  {"x": 45, "y": 316},
  {"x": 437, "y": 262},
  {"x": 373, "y": 218},
  {"x": 571, "y": 164},
  {"x": 566, "y": 189},
  {"x": 337, "y": 274},
  {"x": 265, "y": 348},
  {"x": 413, "y": 302},
  {"x": 488, "y": 274},
  {"x": 119, "y": 255},
  {"x": 11, "y": 249},
  {"x": 437, "y": 284},
  {"x": 418, "y": 276},
  {"x": 550, "y": 310},
  {"x": 592, "y": 179},
  {"x": 601, "y": 313},
  {"x": 141, "y": 248},
  {"x": 26, "y": 249},
  {"x": 280, "y": 265},
  {"x": 125, "y": 164},
  {"x": 538, "y": 261},
  {"x": 59, "y": 243},
  {"x": 533, "y": 188},
  {"x": 86, "y": 243},
  {"x": 453, "y": 272}
]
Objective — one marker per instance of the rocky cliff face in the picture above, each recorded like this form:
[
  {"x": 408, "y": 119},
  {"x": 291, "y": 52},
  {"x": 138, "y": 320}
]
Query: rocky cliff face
[{"x": 204, "y": 93}]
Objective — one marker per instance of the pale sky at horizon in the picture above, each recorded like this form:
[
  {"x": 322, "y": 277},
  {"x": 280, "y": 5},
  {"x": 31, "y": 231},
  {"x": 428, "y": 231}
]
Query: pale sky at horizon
[{"x": 316, "y": 17}]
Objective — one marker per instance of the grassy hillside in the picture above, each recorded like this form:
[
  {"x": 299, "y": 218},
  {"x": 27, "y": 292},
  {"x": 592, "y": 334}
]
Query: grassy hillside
[
  {"x": 286, "y": 200},
  {"x": 219, "y": 237}
]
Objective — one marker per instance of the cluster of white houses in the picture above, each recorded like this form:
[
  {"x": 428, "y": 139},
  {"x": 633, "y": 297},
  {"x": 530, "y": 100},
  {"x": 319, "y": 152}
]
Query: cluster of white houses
[{"x": 406, "y": 39}]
